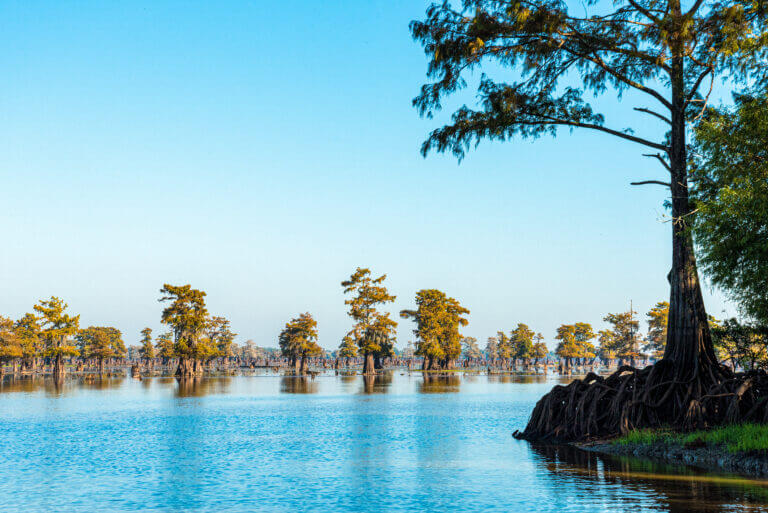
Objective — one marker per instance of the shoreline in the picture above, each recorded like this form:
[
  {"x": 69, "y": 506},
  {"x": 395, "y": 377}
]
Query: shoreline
[{"x": 707, "y": 457}]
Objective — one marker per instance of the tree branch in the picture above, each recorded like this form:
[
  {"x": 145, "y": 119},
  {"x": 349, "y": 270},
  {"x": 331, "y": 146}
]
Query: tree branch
[
  {"x": 697, "y": 84},
  {"x": 654, "y": 182},
  {"x": 629, "y": 137},
  {"x": 652, "y": 113},
  {"x": 661, "y": 159}
]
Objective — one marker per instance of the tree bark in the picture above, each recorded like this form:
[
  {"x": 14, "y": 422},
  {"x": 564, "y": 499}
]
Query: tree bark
[
  {"x": 58, "y": 367},
  {"x": 689, "y": 343},
  {"x": 187, "y": 367},
  {"x": 303, "y": 365},
  {"x": 369, "y": 366}
]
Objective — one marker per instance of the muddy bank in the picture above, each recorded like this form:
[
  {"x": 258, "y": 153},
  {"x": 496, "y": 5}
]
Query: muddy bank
[{"x": 753, "y": 464}]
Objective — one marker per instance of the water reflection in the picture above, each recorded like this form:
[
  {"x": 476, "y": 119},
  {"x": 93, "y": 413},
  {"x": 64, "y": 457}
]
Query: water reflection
[
  {"x": 517, "y": 378},
  {"x": 298, "y": 385},
  {"x": 440, "y": 384},
  {"x": 200, "y": 387},
  {"x": 673, "y": 488},
  {"x": 58, "y": 386},
  {"x": 378, "y": 383}
]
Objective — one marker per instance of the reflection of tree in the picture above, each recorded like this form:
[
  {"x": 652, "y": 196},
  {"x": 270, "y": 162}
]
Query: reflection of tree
[
  {"x": 25, "y": 384},
  {"x": 515, "y": 378},
  {"x": 673, "y": 488},
  {"x": 96, "y": 382},
  {"x": 439, "y": 384},
  {"x": 377, "y": 383},
  {"x": 200, "y": 387},
  {"x": 297, "y": 385}
]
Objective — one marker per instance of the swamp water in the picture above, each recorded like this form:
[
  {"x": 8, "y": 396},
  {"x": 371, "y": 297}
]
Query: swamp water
[{"x": 398, "y": 442}]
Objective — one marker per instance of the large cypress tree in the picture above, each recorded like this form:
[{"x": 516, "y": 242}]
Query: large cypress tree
[{"x": 668, "y": 54}]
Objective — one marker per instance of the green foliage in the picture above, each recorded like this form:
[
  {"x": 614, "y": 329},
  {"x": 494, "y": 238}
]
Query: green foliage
[
  {"x": 369, "y": 294},
  {"x": 737, "y": 438},
  {"x": 147, "y": 350},
  {"x": 10, "y": 346},
  {"x": 492, "y": 348},
  {"x": 165, "y": 346},
  {"x": 624, "y": 335},
  {"x": 522, "y": 341},
  {"x": 58, "y": 327},
  {"x": 186, "y": 315},
  {"x": 539, "y": 350},
  {"x": 504, "y": 345},
  {"x": 100, "y": 342},
  {"x": 559, "y": 57},
  {"x": 348, "y": 347},
  {"x": 575, "y": 341},
  {"x": 745, "y": 345},
  {"x": 27, "y": 330},
  {"x": 730, "y": 178},
  {"x": 438, "y": 319},
  {"x": 217, "y": 339},
  {"x": 299, "y": 337},
  {"x": 658, "y": 317}
]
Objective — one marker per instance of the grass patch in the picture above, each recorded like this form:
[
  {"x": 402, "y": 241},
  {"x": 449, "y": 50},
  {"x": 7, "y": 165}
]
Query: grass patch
[{"x": 735, "y": 438}]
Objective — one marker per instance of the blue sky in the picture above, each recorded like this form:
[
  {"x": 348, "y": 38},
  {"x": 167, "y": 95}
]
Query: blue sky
[{"x": 261, "y": 151}]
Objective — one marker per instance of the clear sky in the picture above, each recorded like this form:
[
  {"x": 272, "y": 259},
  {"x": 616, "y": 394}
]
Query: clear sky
[{"x": 262, "y": 150}]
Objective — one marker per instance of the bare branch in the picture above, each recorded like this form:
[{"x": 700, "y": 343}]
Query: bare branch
[
  {"x": 660, "y": 158},
  {"x": 652, "y": 113},
  {"x": 617, "y": 133},
  {"x": 654, "y": 182},
  {"x": 696, "y": 84}
]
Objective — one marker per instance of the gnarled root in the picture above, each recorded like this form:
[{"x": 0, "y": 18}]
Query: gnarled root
[{"x": 656, "y": 396}]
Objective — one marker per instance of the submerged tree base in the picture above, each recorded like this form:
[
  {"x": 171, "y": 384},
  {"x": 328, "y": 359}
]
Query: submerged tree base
[{"x": 653, "y": 397}]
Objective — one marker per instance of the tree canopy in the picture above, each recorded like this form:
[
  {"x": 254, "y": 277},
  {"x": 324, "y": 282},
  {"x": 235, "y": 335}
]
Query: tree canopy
[
  {"x": 368, "y": 294},
  {"x": 730, "y": 178},
  {"x": 298, "y": 339},
  {"x": 58, "y": 327},
  {"x": 438, "y": 319}
]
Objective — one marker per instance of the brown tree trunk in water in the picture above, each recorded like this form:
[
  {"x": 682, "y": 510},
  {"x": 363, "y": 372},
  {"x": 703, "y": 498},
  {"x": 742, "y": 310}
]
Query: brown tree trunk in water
[
  {"x": 303, "y": 365},
  {"x": 187, "y": 367},
  {"x": 58, "y": 367},
  {"x": 368, "y": 365},
  {"x": 101, "y": 366}
]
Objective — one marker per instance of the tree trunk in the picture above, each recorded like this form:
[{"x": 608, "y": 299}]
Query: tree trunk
[
  {"x": 186, "y": 368},
  {"x": 303, "y": 365},
  {"x": 689, "y": 344},
  {"x": 58, "y": 367},
  {"x": 101, "y": 366},
  {"x": 369, "y": 365}
]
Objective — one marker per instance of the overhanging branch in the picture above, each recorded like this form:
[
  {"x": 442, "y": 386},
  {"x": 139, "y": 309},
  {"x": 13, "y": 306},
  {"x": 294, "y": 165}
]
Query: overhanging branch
[{"x": 654, "y": 182}]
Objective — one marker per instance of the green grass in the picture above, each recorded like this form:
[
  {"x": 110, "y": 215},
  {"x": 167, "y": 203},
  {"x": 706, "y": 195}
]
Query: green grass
[{"x": 735, "y": 438}]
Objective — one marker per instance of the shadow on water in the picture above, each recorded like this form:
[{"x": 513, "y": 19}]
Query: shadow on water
[
  {"x": 378, "y": 383},
  {"x": 298, "y": 385},
  {"x": 674, "y": 488},
  {"x": 440, "y": 384}
]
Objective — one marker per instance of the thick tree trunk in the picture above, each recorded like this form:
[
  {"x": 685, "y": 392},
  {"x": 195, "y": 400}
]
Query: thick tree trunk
[
  {"x": 369, "y": 366},
  {"x": 187, "y": 368},
  {"x": 303, "y": 365},
  {"x": 689, "y": 343},
  {"x": 101, "y": 366},
  {"x": 58, "y": 367}
]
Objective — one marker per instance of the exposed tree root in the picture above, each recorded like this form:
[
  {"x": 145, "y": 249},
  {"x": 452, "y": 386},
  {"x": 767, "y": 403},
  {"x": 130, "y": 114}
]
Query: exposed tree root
[{"x": 652, "y": 397}]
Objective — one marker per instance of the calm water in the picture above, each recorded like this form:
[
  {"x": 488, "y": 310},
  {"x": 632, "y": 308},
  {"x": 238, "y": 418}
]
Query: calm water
[{"x": 272, "y": 443}]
